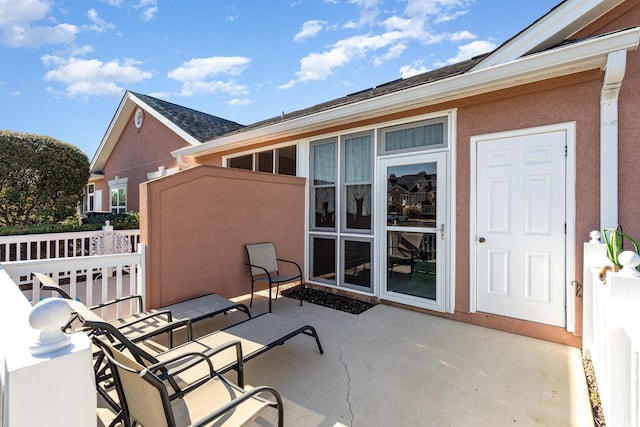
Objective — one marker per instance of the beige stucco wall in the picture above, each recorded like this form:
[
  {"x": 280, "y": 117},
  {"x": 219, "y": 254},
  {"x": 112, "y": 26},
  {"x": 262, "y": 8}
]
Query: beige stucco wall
[
  {"x": 195, "y": 224},
  {"x": 138, "y": 152}
]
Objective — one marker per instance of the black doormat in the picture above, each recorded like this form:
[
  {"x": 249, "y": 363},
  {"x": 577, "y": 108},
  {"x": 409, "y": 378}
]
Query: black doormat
[{"x": 327, "y": 299}]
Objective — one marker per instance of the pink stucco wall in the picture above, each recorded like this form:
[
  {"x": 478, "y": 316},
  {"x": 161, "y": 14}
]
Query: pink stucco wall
[
  {"x": 195, "y": 224},
  {"x": 138, "y": 152}
]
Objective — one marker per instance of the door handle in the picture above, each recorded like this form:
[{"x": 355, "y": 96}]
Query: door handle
[
  {"x": 482, "y": 240},
  {"x": 442, "y": 232}
]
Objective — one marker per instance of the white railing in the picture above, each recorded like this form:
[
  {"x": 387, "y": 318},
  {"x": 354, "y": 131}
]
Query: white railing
[
  {"x": 611, "y": 337},
  {"x": 112, "y": 276},
  {"x": 54, "y": 245}
]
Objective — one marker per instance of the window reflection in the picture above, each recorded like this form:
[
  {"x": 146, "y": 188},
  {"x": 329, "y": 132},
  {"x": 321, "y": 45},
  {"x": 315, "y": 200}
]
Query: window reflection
[
  {"x": 323, "y": 259},
  {"x": 412, "y": 196},
  {"x": 357, "y": 263}
]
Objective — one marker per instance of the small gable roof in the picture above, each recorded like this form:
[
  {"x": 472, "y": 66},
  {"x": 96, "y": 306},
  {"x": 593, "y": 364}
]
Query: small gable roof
[
  {"x": 193, "y": 126},
  {"x": 201, "y": 126}
]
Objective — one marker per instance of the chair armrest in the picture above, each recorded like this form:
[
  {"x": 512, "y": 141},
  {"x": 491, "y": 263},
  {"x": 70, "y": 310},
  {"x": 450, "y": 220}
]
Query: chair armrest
[
  {"x": 119, "y": 300},
  {"x": 262, "y": 268},
  {"x": 291, "y": 262},
  {"x": 170, "y": 326},
  {"x": 246, "y": 394},
  {"x": 163, "y": 369}
]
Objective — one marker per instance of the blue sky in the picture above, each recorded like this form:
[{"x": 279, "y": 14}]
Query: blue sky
[{"x": 67, "y": 63}]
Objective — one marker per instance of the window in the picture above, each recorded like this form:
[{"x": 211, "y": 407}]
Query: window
[
  {"x": 324, "y": 184},
  {"x": 428, "y": 134},
  {"x": 357, "y": 182},
  {"x": 118, "y": 193},
  {"x": 89, "y": 198},
  {"x": 341, "y": 210},
  {"x": 278, "y": 160}
]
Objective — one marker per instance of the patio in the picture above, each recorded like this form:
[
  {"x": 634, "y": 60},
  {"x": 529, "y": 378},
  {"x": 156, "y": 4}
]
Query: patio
[{"x": 391, "y": 366}]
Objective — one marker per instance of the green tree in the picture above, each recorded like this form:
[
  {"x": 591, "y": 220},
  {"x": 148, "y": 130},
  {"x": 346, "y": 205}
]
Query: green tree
[{"x": 41, "y": 179}]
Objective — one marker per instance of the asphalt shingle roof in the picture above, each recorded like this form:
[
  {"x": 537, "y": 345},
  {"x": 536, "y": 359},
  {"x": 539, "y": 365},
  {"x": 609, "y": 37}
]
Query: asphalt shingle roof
[
  {"x": 382, "y": 89},
  {"x": 201, "y": 126}
]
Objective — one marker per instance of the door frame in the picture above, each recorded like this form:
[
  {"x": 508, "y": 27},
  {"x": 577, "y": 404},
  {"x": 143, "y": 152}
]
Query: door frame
[
  {"x": 570, "y": 210},
  {"x": 444, "y": 302}
]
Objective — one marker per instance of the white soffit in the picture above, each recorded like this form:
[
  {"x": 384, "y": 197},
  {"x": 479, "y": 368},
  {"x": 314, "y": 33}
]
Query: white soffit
[
  {"x": 553, "y": 28},
  {"x": 572, "y": 58}
]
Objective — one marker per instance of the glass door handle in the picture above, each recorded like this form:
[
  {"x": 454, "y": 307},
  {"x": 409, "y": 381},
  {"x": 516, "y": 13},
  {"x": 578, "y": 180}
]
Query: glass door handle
[{"x": 482, "y": 240}]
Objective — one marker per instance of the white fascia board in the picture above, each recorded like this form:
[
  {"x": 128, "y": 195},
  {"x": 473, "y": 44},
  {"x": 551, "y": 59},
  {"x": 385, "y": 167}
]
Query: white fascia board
[
  {"x": 162, "y": 119},
  {"x": 553, "y": 28},
  {"x": 105, "y": 147},
  {"x": 569, "y": 59}
]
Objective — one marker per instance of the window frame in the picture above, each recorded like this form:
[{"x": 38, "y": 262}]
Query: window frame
[
  {"x": 254, "y": 155},
  {"x": 382, "y": 132},
  {"x": 116, "y": 185}
]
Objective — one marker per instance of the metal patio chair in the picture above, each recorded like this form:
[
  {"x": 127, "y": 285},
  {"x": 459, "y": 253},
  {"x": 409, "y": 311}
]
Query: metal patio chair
[
  {"x": 264, "y": 267},
  {"x": 213, "y": 400}
]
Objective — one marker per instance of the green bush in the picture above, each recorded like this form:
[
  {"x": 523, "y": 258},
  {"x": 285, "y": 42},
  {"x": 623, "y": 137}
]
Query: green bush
[{"x": 94, "y": 222}]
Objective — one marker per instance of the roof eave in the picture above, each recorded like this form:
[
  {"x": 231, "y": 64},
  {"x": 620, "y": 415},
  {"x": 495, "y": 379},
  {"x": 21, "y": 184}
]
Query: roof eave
[
  {"x": 553, "y": 28},
  {"x": 118, "y": 123},
  {"x": 565, "y": 60}
]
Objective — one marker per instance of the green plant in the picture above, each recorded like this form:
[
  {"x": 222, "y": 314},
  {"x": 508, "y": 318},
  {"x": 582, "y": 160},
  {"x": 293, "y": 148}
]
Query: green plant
[{"x": 614, "y": 241}]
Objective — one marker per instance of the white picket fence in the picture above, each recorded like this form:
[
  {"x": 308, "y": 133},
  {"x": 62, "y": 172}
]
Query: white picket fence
[
  {"x": 611, "y": 338},
  {"x": 54, "y": 245}
]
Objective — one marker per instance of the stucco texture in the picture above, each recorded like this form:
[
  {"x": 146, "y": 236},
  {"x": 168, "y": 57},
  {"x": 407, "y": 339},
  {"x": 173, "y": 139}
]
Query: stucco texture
[{"x": 195, "y": 225}]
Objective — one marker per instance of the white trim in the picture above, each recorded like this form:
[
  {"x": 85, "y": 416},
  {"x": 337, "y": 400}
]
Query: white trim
[
  {"x": 570, "y": 262},
  {"x": 570, "y": 209},
  {"x": 441, "y": 157},
  {"x": 573, "y": 58},
  {"x": 556, "y": 26},
  {"x": 450, "y": 303}
]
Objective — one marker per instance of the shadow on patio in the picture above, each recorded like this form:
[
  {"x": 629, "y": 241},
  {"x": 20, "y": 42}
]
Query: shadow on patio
[{"x": 391, "y": 366}]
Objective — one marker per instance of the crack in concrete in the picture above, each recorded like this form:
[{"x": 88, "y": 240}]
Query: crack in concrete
[{"x": 346, "y": 370}]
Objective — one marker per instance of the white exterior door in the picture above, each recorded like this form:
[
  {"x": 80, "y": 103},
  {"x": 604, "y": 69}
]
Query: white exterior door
[{"x": 520, "y": 225}]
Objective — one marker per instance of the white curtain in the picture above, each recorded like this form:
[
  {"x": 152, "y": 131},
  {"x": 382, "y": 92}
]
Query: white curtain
[
  {"x": 420, "y": 136},
  {"x": 324, "y": 163}
]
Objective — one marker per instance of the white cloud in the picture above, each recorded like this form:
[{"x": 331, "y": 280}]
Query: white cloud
[
  {"x": 90, "y": 77},
  {"x": 149, "y": 8},
  {"x": 394, "y": 52},
  {"x": 309, "y": 29},
  {"x": 240, "y": 101},
  {"x": 28, "y": 36},
  {"x": 393, "y": 34},
  {"x": 413, "y": 69},
  {"x": 203, "y": 75},
  {"x": 462, "y": 35},
  {"x": 23, "y": 11},
  {"x": 99, "y": 24},
  {"x": 470, "y": 50}
]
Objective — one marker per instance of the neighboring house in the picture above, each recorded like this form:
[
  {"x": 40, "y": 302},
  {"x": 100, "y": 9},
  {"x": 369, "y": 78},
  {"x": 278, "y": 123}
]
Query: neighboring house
[
  {"x": 525, "y": 149},
  {"x": 137, "y": 147}
]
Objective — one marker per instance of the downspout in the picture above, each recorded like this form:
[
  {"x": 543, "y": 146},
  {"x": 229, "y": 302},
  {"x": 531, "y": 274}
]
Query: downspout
[{"x": 614, "y": 74}]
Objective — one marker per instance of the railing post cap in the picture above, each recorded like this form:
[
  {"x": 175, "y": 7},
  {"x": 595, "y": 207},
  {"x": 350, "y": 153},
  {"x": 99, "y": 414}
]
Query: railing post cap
[
  {"x": 595, "y": 236},
  {"x": 48, "y": 317},
  {"x": 629, "y": 260}
]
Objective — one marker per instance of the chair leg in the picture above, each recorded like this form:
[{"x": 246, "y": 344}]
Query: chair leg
[{"x": 251, "y": 300}]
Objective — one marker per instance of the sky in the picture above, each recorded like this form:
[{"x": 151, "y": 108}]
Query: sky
[{"x": 65, "y": 64}]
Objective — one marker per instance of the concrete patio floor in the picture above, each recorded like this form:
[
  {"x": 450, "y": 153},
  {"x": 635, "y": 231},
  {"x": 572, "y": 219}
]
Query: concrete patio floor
[{"x": 394, "y": 367}]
